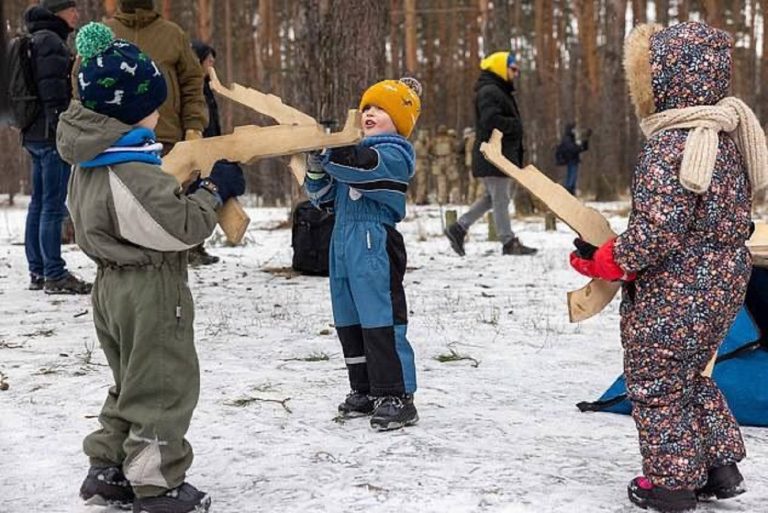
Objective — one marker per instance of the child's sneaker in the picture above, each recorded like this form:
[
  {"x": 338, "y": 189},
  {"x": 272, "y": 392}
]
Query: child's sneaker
[
  {"x": 69, "y": 284},
  {"x": 106, "y": 486},
  {"x": 394, "y": 412},
  {"x": 357, "y": 404},
  {"x": 723, "y": 483},
  {"x": 182, "y": 499},
  {"x": 644, "y": 494}
]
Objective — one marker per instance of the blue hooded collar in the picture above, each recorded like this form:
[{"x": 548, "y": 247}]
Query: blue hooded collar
[{"x": 138, "y": 145}]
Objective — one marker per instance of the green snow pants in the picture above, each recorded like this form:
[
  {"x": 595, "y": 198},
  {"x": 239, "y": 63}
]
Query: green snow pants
[{"x": 143, "y": 318}]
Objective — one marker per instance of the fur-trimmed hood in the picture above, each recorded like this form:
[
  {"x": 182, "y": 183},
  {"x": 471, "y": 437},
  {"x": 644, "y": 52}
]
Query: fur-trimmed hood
[{"x": 686, "y": 65}]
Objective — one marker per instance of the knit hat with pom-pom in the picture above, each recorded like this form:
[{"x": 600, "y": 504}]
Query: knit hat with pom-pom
[
  {"x": 116, "y": 79},
  {"x": 398, "y": 98}
]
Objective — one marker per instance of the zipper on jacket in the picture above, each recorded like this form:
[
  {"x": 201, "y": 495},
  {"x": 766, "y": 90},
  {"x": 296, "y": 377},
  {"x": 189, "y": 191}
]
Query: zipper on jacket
[
  {"x": 178, "y": 313},
  {"x": 368, "y": 238}
]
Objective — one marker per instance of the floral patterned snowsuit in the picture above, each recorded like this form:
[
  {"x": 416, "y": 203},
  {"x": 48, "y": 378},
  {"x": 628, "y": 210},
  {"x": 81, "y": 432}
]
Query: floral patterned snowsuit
[{"x": 693, "y": 267}]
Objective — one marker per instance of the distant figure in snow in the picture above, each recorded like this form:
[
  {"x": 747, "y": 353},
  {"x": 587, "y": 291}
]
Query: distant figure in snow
[
  {"x": 568, "y": 154},
  {"x": 683, "y": 259}
]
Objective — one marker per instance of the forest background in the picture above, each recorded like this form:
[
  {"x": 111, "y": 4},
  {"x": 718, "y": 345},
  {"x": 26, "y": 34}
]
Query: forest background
[{"x": 319, "y": 55}]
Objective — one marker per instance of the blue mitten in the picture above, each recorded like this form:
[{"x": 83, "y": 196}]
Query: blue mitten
[{"x": 229, "y": 179}]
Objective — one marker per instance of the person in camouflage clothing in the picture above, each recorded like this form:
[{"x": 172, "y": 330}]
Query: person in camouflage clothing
[
  {"x": 419, "y": 189},
  {"x": 133, "y": 221},
  {"x": 683, "y": 258}
]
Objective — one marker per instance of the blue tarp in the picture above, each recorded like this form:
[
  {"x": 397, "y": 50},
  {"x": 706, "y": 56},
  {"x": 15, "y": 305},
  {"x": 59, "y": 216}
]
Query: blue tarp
[{"x": 742, "y": 368}]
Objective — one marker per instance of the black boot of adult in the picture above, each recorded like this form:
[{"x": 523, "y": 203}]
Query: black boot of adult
[{"x": 456, "y": 234}]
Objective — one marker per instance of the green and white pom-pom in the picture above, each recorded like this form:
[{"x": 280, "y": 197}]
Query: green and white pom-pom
[{"x": 93, "y": 39}]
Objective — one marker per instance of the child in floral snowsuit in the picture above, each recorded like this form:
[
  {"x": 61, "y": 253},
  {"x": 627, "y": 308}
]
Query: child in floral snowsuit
[{"x": 685, "y": 250}]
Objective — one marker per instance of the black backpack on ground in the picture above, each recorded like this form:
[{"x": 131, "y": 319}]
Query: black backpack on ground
[
  {"x": 311, "y": 239},
  {"x": 22, "y": 90}
]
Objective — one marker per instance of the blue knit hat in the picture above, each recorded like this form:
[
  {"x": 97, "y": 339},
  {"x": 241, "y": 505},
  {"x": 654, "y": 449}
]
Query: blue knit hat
[{"x": 116, "y": 78}]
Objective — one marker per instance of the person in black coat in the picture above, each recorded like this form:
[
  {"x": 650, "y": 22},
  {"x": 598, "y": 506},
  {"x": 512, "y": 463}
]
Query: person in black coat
[
  {"x": 568, "y": 154},
  {"x": 207, "y": 56},
  {"x": 49, "y": 24},
  {"x": 495, "y": 109}
]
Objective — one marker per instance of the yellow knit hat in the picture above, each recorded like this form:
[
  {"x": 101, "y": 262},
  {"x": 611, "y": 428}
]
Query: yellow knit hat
[
  {"x": 399, "y": 99},
  {"x": 497, "y": 63}
]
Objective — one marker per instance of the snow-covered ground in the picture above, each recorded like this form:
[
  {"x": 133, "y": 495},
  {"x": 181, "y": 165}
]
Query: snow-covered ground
[{"x": 499, "y": 431}]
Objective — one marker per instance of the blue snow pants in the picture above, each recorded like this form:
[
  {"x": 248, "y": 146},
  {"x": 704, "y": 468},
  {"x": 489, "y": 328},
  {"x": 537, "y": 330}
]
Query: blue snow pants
[{"x": 367, "y": 266}]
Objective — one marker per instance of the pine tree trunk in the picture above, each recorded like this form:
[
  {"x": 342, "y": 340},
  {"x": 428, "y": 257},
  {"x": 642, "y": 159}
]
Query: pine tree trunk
[{"x": 411, "y": 62}]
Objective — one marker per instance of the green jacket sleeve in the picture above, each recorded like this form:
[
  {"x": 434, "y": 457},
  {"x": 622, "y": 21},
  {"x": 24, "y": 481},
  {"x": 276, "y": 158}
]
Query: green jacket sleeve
[{"x": 152, "y": 212}]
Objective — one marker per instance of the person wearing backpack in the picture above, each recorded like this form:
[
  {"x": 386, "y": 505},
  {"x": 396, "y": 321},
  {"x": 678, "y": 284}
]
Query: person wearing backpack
[
  {"x": 49, "y": 24},
  {"x": 568, "y": 154}
]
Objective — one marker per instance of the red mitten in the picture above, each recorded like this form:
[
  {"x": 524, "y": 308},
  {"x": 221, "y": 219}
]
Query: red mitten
[
  {"x": 602, "y": 265},
  {"x": 583, "y": 265}
]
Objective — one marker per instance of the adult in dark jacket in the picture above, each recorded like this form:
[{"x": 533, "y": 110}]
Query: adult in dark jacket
[
  {"x": 49, "y": 23},
  {"x": 207, "y": 56},
  {"x": 495, "y": 108},
  {"x": 568, "y": 154}
]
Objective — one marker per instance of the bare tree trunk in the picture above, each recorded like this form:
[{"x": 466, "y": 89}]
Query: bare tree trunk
[
  {"x": 110, "y": 6},
  {"x": 204, "y": 21},
  {"x": 662, "y": 12},
  {"x": 683, "y": 10},
  {"x": 411, "y": 62},
  {"x": 640, "y": 11},
  {"x": 713, "y": 12}
]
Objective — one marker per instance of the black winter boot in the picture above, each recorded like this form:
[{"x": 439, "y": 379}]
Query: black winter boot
[
  {"x": 723, "y": 483},
  {"x": 36, "y": 282},
  {"x": 182, "y": 499},
  {"x": 394, "y": 412},
  {"x": 198, "y": 256},
  {"x": 357, "y": 404},
  {"x": 456, "y": 234},
  {"x": 106, "y": 486},
  {"x": 69, "y": 284},
  {"x": 644, "y": 494},
  {"x": 515, "y": 247}
]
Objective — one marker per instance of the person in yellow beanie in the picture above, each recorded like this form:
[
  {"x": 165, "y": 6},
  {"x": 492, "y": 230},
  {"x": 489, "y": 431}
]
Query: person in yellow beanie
[
  {"x": 495, "y": 109},
  {"x": 365, "y": 185}
]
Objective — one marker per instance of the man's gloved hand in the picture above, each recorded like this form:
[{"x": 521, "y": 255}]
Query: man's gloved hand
[
  {"x": 191, "y": 135},
  {"x": 229, "y": 179},
  {"x": 600, "y": 264},
  {"x": 751, "y": 229}
]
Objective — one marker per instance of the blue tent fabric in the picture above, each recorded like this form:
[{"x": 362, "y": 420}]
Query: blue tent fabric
[{"x": 741, "y": 370}]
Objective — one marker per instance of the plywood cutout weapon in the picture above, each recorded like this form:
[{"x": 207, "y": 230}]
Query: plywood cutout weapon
[
  {"x": 758, "y": 245},
  {"x": 587, "y": 222},
  {"x": 295, "y": 134}
]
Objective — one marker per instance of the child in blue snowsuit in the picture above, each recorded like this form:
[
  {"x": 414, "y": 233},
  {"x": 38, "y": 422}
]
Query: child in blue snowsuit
[{"x": 366, "y": 187}]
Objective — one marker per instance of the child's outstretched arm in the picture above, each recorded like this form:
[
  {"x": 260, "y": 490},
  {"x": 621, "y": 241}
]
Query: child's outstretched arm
[
  {"x": 387, "y": 167},
  {"x": 662, "y": 211},
  {"x": 153, "y": 213},
  {"x": 319, "y": 186},
  {"x": 381, "y": 173}
]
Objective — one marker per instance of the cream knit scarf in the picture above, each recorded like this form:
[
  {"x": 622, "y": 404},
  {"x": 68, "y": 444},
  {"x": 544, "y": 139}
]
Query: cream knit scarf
[{"x": 730, "y": 115}]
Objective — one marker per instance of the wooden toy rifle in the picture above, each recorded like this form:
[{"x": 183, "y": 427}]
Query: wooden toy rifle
[{"x": 295, "y": 134}]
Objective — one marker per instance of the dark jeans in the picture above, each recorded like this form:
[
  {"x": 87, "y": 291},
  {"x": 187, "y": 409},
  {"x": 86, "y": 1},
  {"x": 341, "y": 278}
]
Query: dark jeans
[
  {"x": 47, "y": 208},
  {"x": 570, "y": 178}
]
